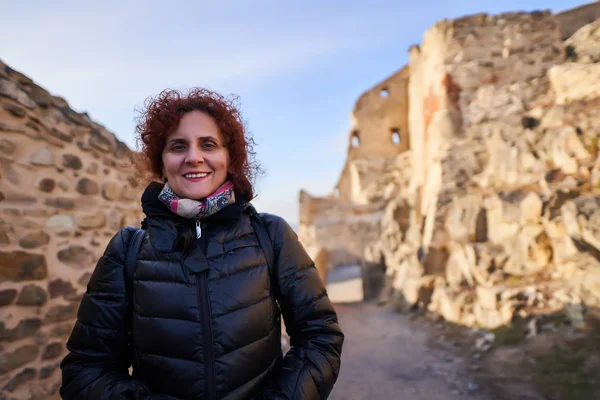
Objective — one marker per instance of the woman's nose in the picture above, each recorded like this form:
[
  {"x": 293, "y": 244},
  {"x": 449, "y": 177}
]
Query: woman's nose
[{"x": 194, "y": 155}]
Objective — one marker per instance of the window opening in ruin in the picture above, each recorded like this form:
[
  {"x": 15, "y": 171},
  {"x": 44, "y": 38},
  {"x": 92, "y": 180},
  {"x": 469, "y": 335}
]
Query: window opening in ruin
[
  {"x": 336, "y": 192},
  {"x": 396, "y": 136},
  {"x": 355, "y": 141},
  {"x": 384, "y": 92}
]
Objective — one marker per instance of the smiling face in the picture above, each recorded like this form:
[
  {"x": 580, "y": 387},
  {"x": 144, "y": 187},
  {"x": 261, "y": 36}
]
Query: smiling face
[{"x": 195, "y": 159}]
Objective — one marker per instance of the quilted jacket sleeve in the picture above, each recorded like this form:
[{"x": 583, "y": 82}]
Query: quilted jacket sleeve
[
  {"x": 96, "y": 366},
  {"x": 312, "y": 365}
]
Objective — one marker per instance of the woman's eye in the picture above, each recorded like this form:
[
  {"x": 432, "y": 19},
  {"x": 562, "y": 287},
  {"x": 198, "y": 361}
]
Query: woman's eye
[
  {"x": 208, "y": 145},
  {"x": 178, "y": 147}
]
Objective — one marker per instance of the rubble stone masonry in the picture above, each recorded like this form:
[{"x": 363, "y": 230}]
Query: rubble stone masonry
[
  {"x": 492, "y": 209},
  {"x": 66, "y": 186}
]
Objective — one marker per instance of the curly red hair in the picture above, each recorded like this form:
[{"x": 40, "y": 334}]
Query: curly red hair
[{"x": 161, "y": 116}]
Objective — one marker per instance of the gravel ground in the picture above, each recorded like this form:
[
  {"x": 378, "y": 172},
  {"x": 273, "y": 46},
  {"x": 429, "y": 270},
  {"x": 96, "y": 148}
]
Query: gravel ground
[{"x": 388, "y": 355}]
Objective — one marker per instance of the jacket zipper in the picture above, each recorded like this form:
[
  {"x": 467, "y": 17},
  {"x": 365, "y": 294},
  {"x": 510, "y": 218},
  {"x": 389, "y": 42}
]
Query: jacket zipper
[
  {"x": 206, "y": 319},
  {"x": 198, "y": 229}
]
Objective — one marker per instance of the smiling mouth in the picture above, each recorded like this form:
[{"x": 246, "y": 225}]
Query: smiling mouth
[{"x": 196, "y": 175}]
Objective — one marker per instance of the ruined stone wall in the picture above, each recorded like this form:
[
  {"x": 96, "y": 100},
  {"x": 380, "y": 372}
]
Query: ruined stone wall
[
  {"x": 498, "y": 216},
  {"x": 337, "y": 229},
  {"x": 379, "y": 130},
  {"x": 335, "y": 232},
  {"x": 66, "y": 186},
  {"x": 571, "y": 20},
  {"x": 494, "y": 209},
  {"x": 470, "y": 69}
]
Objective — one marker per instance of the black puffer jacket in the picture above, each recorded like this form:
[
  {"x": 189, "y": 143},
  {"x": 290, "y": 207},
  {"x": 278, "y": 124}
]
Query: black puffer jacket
[{"x": 206, "y": 319}]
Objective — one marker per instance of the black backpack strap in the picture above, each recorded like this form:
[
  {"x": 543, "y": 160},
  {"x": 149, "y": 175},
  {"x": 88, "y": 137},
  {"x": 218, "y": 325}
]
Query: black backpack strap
[
  {"x": 264, "y": 240},
  {"x": 131, "y": 260}
]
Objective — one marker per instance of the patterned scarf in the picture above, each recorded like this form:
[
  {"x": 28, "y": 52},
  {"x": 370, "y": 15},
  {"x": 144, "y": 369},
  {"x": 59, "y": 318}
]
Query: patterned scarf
[{"x": 198, "y": 209}]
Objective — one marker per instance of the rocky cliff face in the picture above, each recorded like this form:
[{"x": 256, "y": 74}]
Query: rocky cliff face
[
  {"x": 66, "y": 186},
  {"x": 493, "y": 210}
]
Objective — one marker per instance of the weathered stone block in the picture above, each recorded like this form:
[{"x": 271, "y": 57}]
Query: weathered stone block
[
  {"x": 59, "y": 287},
  {"x": 47, "y": 185},
  {"x": 64, "y": 185},
  {"x": 60, "y": 221},
  {"x": 32, "y": 295},
  {"x": 129, "y": 194},
  {"x": 93, "y": 221},
  {"x": 71, "y": 161},
  {"x": 34, "y": 239},
  {"x": 22, "y": 377},
  {"x": 76, "y": 256},
  {"x": 48, "y": 370},
  {"x": 111, "y": 191},
  {"x": 7, "y": 296},
  {"x": 26, "y": 327},
  {"x": 40, "y": 96},
  {"x": 7, "y": 147},
  {"x": 11, "y": 90},
  {"x": 71, "y": 115},
  {"x": 121, "y": 150},
  {"x": 61, "y": 313},
  {"x": 115, "y": 220},
  {"x": 8, "y": 127},
  {"x": 62, "y": 330},
  {"x": 530, "y": 253},
  {"x": 62, "y": 203},
  {"x": 92, "y": 168},
  {"x": 573, "y": 82},
  {"x": 43, "y": 157},
  {"x": 53, "y": 350},
  {"x": 486, "y": 297},
  {"x": 13, "y": 176},
  {"x": 23, "y": 355},
  {"x": 61, "y": 135},
  {"x": 21, "y": 199},
  {"x": 87, "y": 187},
  {"x": 19, "y": 266},
  {"x": 99, "y": 141},
  {"x": 14, "y": 110}
]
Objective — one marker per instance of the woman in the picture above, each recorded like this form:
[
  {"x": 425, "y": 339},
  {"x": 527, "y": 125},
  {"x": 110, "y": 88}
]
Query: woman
[{"x": 205, "y": 318}]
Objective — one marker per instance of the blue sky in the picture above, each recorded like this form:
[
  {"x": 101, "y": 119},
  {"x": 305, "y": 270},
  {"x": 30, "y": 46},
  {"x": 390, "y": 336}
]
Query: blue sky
[{"x": 298, "y": 67}]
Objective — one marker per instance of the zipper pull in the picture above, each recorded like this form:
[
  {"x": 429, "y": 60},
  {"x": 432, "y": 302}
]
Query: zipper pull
[{"x": 198, "y": 229}]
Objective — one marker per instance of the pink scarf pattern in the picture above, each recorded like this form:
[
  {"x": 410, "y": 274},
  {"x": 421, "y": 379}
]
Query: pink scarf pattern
[{"x": 198, "y": 209}]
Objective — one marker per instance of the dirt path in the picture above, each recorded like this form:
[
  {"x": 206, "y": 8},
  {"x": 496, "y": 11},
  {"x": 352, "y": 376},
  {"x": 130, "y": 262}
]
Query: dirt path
[{"x": 387, "y": 356}]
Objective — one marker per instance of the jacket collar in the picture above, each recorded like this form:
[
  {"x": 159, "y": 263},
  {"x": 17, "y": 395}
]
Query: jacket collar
[{"x": 168, "y": 231}]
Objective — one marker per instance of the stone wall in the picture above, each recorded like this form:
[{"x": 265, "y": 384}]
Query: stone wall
[
  {"x": 66, "y": 186},
  {"x": 337, "y": 229},
  {"x": 571, "y": 20},
  {"x": 335, "y": 232},
  {"x": 493, "y": 210},
  {"x": 473, "y": 70},
  {"x": 379, "y": 129},
  {"x": 505, "y": 174}
]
